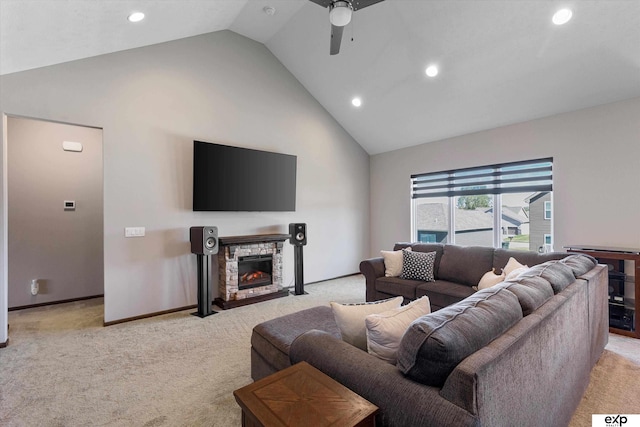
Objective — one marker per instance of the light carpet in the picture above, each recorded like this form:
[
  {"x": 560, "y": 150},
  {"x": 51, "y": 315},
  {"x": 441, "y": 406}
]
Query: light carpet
[{"x": 63, "y": 368}]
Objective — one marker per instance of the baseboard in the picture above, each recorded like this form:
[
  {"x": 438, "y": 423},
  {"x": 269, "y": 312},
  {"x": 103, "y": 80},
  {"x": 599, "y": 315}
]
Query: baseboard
[
  {"x": 334, "y": 278},
  {"x": 146, "y": 316},
  {"x": 42, "y": 304}
]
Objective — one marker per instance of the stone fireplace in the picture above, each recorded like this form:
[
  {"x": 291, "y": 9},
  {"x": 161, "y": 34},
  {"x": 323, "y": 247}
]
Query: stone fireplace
[{"x": 250, "y": 269}]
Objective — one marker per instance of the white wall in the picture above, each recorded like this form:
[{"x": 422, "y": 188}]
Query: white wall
[
  {"x": 596, "y": 167},
  {"x": 151, "y": 103}
]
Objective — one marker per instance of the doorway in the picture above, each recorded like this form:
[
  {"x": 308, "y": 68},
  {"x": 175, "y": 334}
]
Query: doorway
[{"x": 55, "y": 211}]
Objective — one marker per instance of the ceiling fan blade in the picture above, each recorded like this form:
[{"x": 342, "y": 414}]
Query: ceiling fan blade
[
  {"x": 323, "y": 3},
  {"x": 361, "y": 4},
  {"x": 336, "y": 39}
]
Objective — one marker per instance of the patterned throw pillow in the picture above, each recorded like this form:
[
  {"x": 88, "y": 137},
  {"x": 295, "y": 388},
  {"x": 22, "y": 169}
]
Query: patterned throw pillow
[{"x": 418, "y": 265}]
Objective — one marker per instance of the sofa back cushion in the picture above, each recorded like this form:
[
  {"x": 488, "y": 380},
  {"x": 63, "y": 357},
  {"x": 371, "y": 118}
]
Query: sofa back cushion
[
  {"x": 559, "y": 275},
  {"x": 580, "y": 263},
  {"x": 465, "y": 264},
  {"x": 424, "y": 247},
  {"x": 530, "y": 258},
  {"x": 434, "y": 344},
  {"x": 532, "y": 292}
]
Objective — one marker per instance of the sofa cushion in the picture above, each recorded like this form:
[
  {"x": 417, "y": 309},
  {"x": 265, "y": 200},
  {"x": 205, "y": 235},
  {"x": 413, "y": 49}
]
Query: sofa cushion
[
  {"x": 424, "y": 247},
  {"x": 385, "y": 330},
  {"x": 557, "y": 274},
  {"x": 417, "y": 265},
  {"x": 532, "y": 292},
  {"x": 434, "y": 344},
  {"x": 443, "y": 293},
  {"x": 465, "y": 264},
  {"x": 272, "y": 339},
  {"x": 580, "y": 263},
  {"x": 350, "y": 318},
  {"x": 398, "y": 286},
  {"x": 501, "y": 257}
]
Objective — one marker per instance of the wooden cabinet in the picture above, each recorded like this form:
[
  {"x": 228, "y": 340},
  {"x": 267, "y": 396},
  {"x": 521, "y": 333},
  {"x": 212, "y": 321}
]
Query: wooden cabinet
[{"x": 622, "y": 308}]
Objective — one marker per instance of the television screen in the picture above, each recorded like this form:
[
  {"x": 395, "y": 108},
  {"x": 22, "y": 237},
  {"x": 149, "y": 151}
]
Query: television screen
[{"x": 240, "y": 179}]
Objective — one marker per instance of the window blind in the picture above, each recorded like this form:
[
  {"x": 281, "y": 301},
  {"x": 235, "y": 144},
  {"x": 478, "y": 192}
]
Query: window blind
[{"x": 515, "y": 177}]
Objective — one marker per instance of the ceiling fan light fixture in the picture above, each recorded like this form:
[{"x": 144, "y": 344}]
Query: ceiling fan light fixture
[{"x": 340, "y": 13}]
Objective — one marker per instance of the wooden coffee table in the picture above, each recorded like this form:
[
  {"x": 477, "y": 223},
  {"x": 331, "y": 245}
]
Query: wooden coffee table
[{"x": 301, "y": 395}]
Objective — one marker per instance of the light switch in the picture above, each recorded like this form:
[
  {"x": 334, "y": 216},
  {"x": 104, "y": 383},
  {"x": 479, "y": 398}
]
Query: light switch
[{"x": 134, "y": 232}]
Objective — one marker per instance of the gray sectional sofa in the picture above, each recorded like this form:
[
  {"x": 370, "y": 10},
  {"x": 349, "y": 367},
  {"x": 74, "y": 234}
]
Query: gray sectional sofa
[
  {"x": 457, "y": 269},
  {"x": 518, "y": 353}
]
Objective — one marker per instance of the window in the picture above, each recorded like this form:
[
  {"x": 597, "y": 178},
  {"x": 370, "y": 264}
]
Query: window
[
  {"x": 485, "y": 206},
  {"x": 432, "y": 218},
  {"x": 547, "y": 210}
]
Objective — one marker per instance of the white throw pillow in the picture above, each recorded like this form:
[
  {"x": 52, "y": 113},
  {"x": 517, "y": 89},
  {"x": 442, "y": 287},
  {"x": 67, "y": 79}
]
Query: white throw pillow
[
  {"x": 392, "y": 262},
  {"x": 490, "y": 278},
  {"x": 512, "y": 264},
  {"x": 385, "y": 330},
  {"x": 350, "y": 318},
  {"x": 516, "y": 272}
]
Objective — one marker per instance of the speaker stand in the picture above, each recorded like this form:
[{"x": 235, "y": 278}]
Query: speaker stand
[
  {"x": 299, "y": 273},
  {"x": 204, "y": 290}
]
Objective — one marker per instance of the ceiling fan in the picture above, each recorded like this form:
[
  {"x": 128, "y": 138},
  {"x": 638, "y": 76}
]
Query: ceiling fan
[{"x": 340, "y": 15}]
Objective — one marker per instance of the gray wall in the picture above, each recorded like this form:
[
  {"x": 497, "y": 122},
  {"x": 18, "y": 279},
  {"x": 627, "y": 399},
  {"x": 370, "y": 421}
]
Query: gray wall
[
  {"x": 151, "y": 103},
  {"x": 62, "y": 249},
  {"x": 596, "y": 167}
]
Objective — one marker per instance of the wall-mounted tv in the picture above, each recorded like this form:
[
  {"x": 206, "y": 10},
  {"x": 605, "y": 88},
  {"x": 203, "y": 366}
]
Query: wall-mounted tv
[{"x": 229, "y": 178}]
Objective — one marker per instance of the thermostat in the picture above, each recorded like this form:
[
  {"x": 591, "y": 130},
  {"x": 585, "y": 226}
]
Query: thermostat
[{"x": 69, "y": 205}]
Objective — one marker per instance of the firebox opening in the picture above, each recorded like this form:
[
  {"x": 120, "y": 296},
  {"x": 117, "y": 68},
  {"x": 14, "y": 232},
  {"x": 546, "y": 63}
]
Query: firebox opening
[{"x": 254, "y": 271}]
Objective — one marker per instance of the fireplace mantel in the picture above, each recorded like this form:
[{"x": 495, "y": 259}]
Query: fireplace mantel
[{"x": 255, "y": 238}]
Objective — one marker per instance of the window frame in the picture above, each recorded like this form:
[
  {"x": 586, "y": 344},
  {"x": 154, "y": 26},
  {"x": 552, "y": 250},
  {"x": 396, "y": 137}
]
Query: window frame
[{"x": 545, "y": 210}]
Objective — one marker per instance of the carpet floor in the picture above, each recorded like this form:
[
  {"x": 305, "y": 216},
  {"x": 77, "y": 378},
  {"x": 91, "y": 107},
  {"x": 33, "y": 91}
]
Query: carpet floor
[{"x": 63, "y": 368}]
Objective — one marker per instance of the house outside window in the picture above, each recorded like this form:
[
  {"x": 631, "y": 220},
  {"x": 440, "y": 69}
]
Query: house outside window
[{"x": 499, "y": 205}]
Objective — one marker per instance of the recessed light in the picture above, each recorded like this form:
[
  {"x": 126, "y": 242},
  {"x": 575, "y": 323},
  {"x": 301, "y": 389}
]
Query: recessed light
[
  {"x": 136, "y": 17},
  {"x": 269, "y": 10},
  {"x": 356, "y": 102},
  {"x": 562, "y": 16},
  {"x": 431, "y": 71}
]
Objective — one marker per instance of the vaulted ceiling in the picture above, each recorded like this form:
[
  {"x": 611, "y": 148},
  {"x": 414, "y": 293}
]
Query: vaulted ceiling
[{"x": 500, "y": 61}]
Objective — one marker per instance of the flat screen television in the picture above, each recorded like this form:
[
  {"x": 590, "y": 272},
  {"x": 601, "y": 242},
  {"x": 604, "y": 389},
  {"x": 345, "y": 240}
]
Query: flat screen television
[{"x": 229, "y": 178}]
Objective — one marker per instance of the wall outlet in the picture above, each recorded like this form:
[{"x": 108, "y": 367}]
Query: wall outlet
[
  {"x": 134, "y": 232},
  {"x": 35, "y": 287}
]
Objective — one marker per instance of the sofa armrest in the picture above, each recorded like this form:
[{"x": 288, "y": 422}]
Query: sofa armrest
[
  {"x": 372, "y": 269},
  {"x": 402, "y": 402}
]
